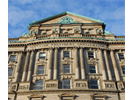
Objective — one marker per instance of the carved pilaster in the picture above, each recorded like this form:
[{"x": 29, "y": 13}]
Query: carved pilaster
[
  {"x": 18, "y": 66},
  {"x": 30, "y": 66},
  {"x": 55, "y": 63},
  {"x": 25, "y": 67},
  {"x": 114, "y": 65},
  {"x": 50, "y": 63}
]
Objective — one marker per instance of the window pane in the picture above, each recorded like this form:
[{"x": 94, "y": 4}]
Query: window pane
[
  {"x": 42, "y": 55},
  {"x": 10, "y": 70},
  {"x": 92, "y": 69},
  {"x": 66, "y": 84},
  {"x": 123, "y": 70},
  {"x": 94, "y": 84},
  {"x": 12, "y": 58},
  {"x": 8, "y": 84},
  {"x": 121, "y": 56},
  {"x": 66, "y": 68},
  {"x": 39, "y": 85},
  {"x": 40, "y": 70},
  {"x": 66, "y": 54},
  {"x": 90, "y": 54}
]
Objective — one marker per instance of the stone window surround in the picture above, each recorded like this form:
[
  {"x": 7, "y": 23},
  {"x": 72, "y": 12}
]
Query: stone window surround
[
  {"x": 95, "y": 68},
  {"x": 13, "y": 67},
  {"x": 42, "y": 51},
  {"x": 34, "y": 82},
  {"x": 98, "y": 82},
  {"x": 45, "y": 68},
  {"x": 13, "y": 55},
  {"x": 91, "y": 50},
  {"x": 66, "y": 63},
  {"x": 121, "y": 70},
  {"x": 117, "y": 55},
  {"x": 68, "y": 50},
  {"x": 70, "y": 83}
]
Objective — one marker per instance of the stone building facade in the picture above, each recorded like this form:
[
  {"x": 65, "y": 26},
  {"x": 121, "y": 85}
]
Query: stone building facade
[{"x": 66, "y": 57}]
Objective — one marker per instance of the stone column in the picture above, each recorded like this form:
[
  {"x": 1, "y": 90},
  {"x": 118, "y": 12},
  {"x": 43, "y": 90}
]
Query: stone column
[
  {"x": 25, "y": 66},
  {"x": 107, "y": 64},
  {"x": 76, "y": 63},
  {"x": 114, "y": 65},
  {"x": 102, "y": 65},
  {"x": 82, "y": 64},
  {"x": 50, "y": 64},
  {"x": 18, "y": 66},
  {"x": 36, "y": 66},
  {"x": 55, "y": 64},
  {"x": 30, "y": 66}
]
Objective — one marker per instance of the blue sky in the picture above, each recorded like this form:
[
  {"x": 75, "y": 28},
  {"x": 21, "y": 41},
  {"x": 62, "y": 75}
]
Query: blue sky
[{"x": 23, "y": 12}]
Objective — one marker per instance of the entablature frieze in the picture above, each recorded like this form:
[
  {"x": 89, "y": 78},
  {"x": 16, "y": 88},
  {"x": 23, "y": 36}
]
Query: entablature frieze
[{"x": 60, "y": 91}]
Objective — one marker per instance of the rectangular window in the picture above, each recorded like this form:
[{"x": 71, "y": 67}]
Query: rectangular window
[
  {"x": 121, "y": 56},
  {"x": 123, "y": 70},
  {"x": 66, "y": 68},
  {"x": 10, "y": 70},
  {"x": 40, "y": 70},
  {"x": 12, "y": 58},
  {"x": 93, "y": 84},
  {"x": 92, "y": 69},
  {"x": 66, "y": 84},
  {"x": 39, "y": 85},
  {"x": 66, "y": 54},
  {"x": 90, "y": 55},
  {"x": 8, "y": 84},
  {"x": 42, "y": 55}
]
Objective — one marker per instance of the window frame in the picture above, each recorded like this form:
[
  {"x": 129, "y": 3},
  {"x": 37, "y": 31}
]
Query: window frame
[
  {"x": 10, "y": 57},
  {"x": 65, "y": 84},
  {"x": 123, "y": 70},
  {"x": 90, "y": 69},
  {"x": 120, "y": 57},
  {"x": 69, "y": 69},
  {"x": 36, "y": 86},
  {"x": 66, "y": 56},
  {"x": 90, "y": 84},
  {"x": 42, "y": 57},
  {"x": 43, "y": 69},
  {"x": 91, "y": 55},
  {"x": 12, "y": 71}
]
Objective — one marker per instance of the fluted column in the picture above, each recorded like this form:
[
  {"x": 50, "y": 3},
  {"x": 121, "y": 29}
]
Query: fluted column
[
  {"x": 18, "y": 66},
  {"x": 107, "y": 64},
  {"x": 102, "y": 65},
  {"x": 30, "y": 66},
  {"x": 76, "y": 63},
  {"x": 82, "y": 64},
  {"x": 114, "y": 65},
  {"x": 25, "y": 66},
  {"x": 55, "y": 63},
  {"x": 50, "y": 64}
]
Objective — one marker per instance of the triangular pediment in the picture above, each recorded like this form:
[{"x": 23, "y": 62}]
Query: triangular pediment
[{"x": 66, "y": 18}]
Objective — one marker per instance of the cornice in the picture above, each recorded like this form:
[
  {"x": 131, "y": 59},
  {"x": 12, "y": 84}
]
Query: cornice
[{"x": 63, "y": 39}]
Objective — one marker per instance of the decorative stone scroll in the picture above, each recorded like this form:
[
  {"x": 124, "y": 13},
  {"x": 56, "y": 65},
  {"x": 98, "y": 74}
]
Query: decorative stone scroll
[
  {"x": 24, "y": 86},
  {"x": 51, "y": 84},
  {"x": 81, "y": 84},
  {"x": 14, "y": 86},
  {"x": 110, "y": 85}
]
